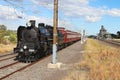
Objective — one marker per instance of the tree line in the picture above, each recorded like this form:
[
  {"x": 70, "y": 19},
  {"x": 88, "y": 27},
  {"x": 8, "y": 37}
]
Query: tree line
[
  {"x": 7, "y": 36},
  {"x": 113, "y": 36},
  {"x": 117, "y": 35}
]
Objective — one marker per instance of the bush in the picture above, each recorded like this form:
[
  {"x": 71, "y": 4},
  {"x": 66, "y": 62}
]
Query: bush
[
  {"x": 13, "y": 38},
  {"x": 8, "y": 36}
]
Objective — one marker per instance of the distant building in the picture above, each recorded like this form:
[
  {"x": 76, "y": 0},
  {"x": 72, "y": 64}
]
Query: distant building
[{"x": 103, "y": 34}]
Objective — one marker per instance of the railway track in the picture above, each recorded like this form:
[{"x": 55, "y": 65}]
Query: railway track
[
  {"x": 15, "y": 64},
  {"x": 5, "y": 69},
  {"x": 11, "y": 53},
  {"x": 20, "y": 69},
  {"x": 8, "y": 65},
  {"x": 7, "y": 58},
  {"x": 115, "y": 43}
]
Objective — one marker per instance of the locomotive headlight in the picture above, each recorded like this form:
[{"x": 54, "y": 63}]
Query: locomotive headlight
[
  {"x": 21, "y": 50},
  {"x": 25, "y": 47},
  {"x": 28, "y": 24}
]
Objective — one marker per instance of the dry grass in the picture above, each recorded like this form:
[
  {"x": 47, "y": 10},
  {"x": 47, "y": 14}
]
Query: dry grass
[
  {"x": 103, "y": 61},
  {"x": 6, "y": 48},
  {"x": 100, "y": 62},
  {"x": 76, "y": 75}
]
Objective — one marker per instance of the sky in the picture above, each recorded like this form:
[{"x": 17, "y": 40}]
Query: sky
[{"x": 76, "y": 15}]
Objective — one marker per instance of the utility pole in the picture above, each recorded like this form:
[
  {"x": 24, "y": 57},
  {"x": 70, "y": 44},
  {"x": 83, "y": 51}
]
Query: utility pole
[
  {"x": 55, "y": 31},
  {"x": 54, "y": 63}
]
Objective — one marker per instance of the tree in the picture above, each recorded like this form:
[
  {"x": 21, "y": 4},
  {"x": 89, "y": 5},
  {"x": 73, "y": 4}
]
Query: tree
[
  {"x": 3, "y": 27},
  {"x": 114, "y": 35}
]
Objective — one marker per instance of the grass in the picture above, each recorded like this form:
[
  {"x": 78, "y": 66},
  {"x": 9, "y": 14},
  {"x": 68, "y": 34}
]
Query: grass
[
  {"x": 100, "y": 62},
  {"x": 6, "y": 48}
]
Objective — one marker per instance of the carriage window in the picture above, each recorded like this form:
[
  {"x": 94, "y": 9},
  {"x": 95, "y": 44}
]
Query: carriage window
[{"x": 60, "y": 34}]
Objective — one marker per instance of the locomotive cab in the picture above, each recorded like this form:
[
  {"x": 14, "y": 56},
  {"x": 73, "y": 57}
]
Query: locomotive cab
[
  {"x": 44, "y": 38},
  {"x": 44, "y": 33}
]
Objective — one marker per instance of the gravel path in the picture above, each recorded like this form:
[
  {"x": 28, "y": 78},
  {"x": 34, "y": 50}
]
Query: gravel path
[{"x": 39, "y": 71}]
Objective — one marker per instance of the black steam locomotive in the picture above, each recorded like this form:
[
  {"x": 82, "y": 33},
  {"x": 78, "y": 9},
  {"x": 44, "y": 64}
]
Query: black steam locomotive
[{"x": 33, "y": 42}]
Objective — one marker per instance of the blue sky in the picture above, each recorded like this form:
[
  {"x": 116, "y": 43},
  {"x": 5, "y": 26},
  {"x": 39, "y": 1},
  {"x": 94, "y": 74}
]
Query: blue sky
[{"x": 73, "y": 15}]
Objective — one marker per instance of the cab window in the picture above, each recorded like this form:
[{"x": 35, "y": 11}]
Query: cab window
[{"x": 44, "y": 31}]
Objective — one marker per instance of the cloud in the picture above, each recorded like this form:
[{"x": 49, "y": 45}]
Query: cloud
[
  {"x": 92, "y": 18},
  {"x": 80, "y": 8},
  {"x": 7, "y": 13},
  {"x": 15, "y": 1},
  {"x": 49, "y": 21},
  {"x": 69, "y": 8},
  {"x": 11, "y": 14},
  {"x": 67, "y": 25},
  {"x": 113, "y": 12},
  {"x": 40, "y": 19},
  {"x": 46, "y": 3}
]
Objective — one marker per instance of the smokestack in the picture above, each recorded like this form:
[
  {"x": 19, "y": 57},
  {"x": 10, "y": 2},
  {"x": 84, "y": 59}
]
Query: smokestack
[{"x": 32, "y": 23}]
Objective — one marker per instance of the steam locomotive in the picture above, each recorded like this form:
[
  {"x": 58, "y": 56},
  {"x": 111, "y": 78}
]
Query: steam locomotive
[{"x": 34, "y": 42}]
